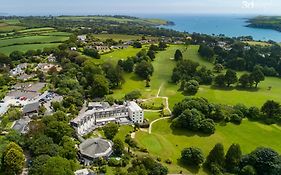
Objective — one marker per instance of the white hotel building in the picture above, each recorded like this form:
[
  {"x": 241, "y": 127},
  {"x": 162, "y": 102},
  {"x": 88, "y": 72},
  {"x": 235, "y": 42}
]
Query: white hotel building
[{"x": 101, "y": 113}]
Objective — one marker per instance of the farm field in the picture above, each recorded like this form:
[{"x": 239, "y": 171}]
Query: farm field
[
  {"x": 167, "y": 143},
  {"x": 10, "y": 25},
  {"x": 24, "y": 48},
  {"x": 257, "y": 43},
  {"x": 32, "y": 39}
]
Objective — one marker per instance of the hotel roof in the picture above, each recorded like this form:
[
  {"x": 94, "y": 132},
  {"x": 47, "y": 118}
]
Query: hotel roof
[{"x": 96, "y": 147}]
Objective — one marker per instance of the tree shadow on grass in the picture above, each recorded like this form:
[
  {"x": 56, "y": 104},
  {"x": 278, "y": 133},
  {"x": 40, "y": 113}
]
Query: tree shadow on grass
[
  {"x": 188, "y": 93},
  {"x": 225, "y": 88},
  {"x": 188, "y": 133},
  {"x": 192, "y": 169},
  {"x": 136, "y": 78},
  {"x": 231, "y": 88}
]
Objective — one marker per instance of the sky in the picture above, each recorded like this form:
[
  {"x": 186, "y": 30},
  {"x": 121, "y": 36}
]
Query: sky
[{"x": 131, "y": 7}]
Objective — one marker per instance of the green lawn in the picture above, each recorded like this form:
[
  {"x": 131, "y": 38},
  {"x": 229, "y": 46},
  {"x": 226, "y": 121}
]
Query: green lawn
[
  {"x": 32, "y": 39},
  {"x": 37, "y": 29},
  {"x": 155, "y": 104},
  {"x": 120, "y": 54},
  {"x": 249, "y": 98},
  {"x": 10, "y": 21},
  {"x": 191, "y": 52},
  {"x": 166, "y": 143},
  {"x": 10, "y": 25},
  {"x": 8, "y": 28},
  {"x": 150, "y": 116},
  {"x": 24, "y": 48},
  {"x": 123, "y": 131},
  {"x": 163, "y": 67}
]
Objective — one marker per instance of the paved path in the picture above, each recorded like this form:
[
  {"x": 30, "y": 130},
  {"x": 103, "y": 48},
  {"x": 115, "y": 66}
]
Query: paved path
[
  {"x": 166, "y": 108},
  {"x": 150, "y": 126},
  {"x": 159, "y": 90},
  {"x": 151, "y": 110}
]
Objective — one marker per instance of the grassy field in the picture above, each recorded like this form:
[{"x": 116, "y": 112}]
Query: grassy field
[
  {"x": 163, "y": 66},
  {"x": 257, "y": 43},
  {"x": 167, "y": 143},
  {"x": 150, "y": 116},
  {"x": 32, "y": 39},
  {"x": 24, "y": 48},
  {"x": 123, "y": 131},
  {"x": 37, "y": 29},
  {"x": 10, "y": 25},
  {"x": 154, "y": 103},
  {"x": 116, "y": 55}
]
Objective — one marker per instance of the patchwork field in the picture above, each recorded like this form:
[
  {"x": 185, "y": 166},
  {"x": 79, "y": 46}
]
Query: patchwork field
[
  {"x": 10, "y": 25},
  {"x": 24, "y": 48},
  {"x": 32, "y": 39}
]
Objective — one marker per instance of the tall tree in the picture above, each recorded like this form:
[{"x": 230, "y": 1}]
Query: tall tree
[
  {"x": 144, "y": 69},
  {"x": 257, "y": 76},
  {"x": 230, "y": 77},
  {"x": 206, "y": 51},
  {"x": 59, "y": 166},
  {"x": 178, "y": 55},
  {"x": 13, "y": 159},
  {"x": 245, "y": 80},
  {"x": 118, "y": 147},
  {"x": 37, "y": 165},
  {"x": 271, "y": 108},
  {"x": 100, "y": 86},
  {"x": 127, "y": 65},
  {"x": 263, "y": 160},
  {"x": 220, "y": 80},
  {"x": 192, "y": 156},
  {"x": 215, "y": 160},
  {"x": 191, "y": 87},
  {"x": 110, "y": 130},
  {"x": 232, "y": 158},
  {"x": 218, "y": 68}
]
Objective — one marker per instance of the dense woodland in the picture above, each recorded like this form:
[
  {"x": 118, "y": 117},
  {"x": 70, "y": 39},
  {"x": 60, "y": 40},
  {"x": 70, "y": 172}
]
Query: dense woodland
[
  {"x": 197, "y": 114},
  {"x": 238, "y": 55}
]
